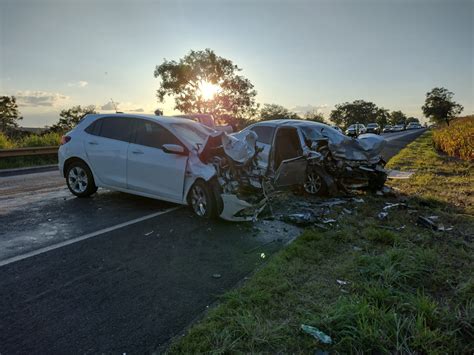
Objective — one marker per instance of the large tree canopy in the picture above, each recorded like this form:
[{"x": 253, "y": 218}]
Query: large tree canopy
[
  {"x": 398, "y": 117},
  {"x": 9, "y": 113},
  {"x": 202, "y": 82},
  {"x": 71, "y": 117},
  {"x": 440, "y": 107},
  {"x": 359, "y": 111},
  {"x": 276, "y": 112}
]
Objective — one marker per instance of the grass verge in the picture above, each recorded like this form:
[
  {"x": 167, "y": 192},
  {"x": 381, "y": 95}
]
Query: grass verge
[{"x": 405, "y": 288}]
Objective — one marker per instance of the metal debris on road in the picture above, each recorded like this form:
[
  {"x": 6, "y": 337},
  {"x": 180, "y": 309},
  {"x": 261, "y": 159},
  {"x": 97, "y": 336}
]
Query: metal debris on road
[
  {"x": 317, "y": 334},
  {"x": 396, "y": 174},
  {"x": 429, "y": 222}
]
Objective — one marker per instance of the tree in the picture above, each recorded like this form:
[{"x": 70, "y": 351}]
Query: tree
[
  {"x": 359, "y": 111},
  {"x": 383, "y": 117},
  {"x": 413, "y": 119},
  {"x": 9, "y": 113},
  {"x": 71, "y": 117},
  {"x": 440, "y": 107},
  {"x": 276, "y": 112},
  {"x": 398, "y": 117},
  {"x": 202, "y": 82},
  {"x": 314, "y": 116}
]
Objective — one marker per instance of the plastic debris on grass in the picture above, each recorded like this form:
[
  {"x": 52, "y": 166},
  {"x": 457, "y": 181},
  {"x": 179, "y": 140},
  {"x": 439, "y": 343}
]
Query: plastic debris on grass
[
  {"x": 429, "y": 222},
  {"x": 317, "y": 334}
]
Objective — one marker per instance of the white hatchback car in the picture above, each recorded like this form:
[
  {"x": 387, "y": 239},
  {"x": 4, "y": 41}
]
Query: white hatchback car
[{"x": 147, "y": 155}]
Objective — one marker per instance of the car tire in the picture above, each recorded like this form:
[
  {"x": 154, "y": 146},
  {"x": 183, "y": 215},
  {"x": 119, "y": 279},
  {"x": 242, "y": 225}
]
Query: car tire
[
  {"x": 80, "y": 180},
  {"x": 315, "y": 184},
  {"x": 202, "y": 200}
]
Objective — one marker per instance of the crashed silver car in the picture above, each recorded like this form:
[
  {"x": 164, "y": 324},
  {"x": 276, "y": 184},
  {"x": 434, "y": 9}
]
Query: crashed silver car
[
  {"x": 331, "y": 161},
  {"x": 275, "y": 155}
]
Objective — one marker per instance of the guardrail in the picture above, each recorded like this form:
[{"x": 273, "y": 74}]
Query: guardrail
[{"x": 24, "y": 152}]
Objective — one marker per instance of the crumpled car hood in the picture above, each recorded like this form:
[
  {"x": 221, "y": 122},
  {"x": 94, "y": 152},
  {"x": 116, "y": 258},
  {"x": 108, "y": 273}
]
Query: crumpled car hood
[
  {"x": 366, "y": 147},
  {"x": 239, "y": 147}
]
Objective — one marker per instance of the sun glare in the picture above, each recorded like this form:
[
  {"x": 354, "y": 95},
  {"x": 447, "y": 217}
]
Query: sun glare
[{"x": 208, "y": 90}]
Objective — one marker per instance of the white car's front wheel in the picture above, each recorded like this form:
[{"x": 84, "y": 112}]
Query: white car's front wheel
[
  {"x": 202, "y": 201},
  {"x": 314, "y": 184}
]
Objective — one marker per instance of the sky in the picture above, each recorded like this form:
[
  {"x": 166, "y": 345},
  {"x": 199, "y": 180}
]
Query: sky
[{"x": 304, "y": 55}]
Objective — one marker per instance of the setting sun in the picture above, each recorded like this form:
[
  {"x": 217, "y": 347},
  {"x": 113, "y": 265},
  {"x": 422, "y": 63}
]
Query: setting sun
[{"x": 208, "y": 90}]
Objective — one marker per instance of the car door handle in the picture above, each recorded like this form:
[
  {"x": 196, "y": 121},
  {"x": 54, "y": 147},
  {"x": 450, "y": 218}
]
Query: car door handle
[
  {"x": 93, "y": 143},
  {"x": 137, "y": 152}
]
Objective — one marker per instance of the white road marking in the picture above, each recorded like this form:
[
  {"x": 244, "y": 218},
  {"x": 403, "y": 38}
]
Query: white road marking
[
  {"x": 400, "y": 135},
  {"x": 84, "y": 237}
]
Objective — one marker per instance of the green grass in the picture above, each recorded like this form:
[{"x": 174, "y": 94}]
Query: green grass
[
  {"x": 409, "y": 291},
  {"x": 33, "y": 140}
]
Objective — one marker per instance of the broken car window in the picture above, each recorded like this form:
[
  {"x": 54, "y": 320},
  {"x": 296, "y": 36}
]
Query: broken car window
[
  {"x": 193, "y": 133},
  {"x": 264, "y": 133}
]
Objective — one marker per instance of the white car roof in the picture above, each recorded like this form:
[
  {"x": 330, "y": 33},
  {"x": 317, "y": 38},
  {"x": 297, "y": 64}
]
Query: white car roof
[{"x": 165, "y": 120}]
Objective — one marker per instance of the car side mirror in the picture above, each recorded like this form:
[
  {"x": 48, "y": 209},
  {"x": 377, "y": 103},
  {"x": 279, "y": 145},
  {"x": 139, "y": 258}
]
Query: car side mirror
[{"x": 174, "y": 149}]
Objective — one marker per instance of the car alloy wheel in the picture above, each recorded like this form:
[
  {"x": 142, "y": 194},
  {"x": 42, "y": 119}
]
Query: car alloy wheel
[
  {"x": 78, "y": 180},
  {"x": 199, "y": 200},
  {"x": 313, "y": 183}
]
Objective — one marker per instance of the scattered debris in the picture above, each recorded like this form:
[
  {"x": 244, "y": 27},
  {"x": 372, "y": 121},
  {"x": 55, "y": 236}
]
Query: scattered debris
[
  {"x": 342, "y": 282},
  {"x": 147, "y": 234},
  {"x": 382, "y": 215},
  {"x": 317, "y": 334},
  {"x": 329, "y": 220},
  {"x": 396, "y": 174},
  {"x": 356, "y": 248},
  {"x": 216, "y": 276},
  {"x": 262, "y": 255},
  {"x": 429, "y": 222},
  {"x": 346, "y": 211},
  {"x": 392, "y": 228},
  {"x": 300, "y": 219},
  {"x": 357, "y": 200},
  {"x": 389, "y": 206}
]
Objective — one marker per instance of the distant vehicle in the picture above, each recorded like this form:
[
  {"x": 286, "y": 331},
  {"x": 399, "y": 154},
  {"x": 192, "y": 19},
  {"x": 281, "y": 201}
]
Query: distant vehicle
[
  {"x": 398, "y": 128},
  {"x": 355, "y": 129},
  {"x": 413, "y": 125},
  {"x": 337, "y": 129},
  {"x": 208, "y": 121},
  {"x": 387, "y": 129},
  {"x": 373, "y": 128}
]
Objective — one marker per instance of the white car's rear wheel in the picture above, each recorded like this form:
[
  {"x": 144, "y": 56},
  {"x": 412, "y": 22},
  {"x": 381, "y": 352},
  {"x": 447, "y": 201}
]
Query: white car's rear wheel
[{"x": 80, "y": 180}]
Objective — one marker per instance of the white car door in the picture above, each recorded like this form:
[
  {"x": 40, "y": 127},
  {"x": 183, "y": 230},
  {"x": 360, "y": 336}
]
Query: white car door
[
  {"x": 152, "y": 170},
  {"x": 264, "y": 141},
  {"x": 106, "y": 145}
]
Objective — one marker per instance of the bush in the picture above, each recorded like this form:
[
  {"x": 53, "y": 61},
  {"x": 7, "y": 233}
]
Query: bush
[
  {"x": 457, "y": 139},
  {"x": 5, "y": 143},
  {"x": 45, "y": 140}
]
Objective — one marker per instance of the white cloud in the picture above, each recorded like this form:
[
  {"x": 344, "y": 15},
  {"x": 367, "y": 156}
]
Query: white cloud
[
  {"x": 110, "y": 106},
  {"x": 78, "y": 84},
  {"x": 39, "y": 98},
  {"x": 310, "y": 108}
]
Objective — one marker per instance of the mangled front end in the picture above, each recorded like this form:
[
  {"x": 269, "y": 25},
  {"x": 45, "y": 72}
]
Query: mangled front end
[
  {"x": 240, "y": 181},
  {"x": 351, "y": 163}
]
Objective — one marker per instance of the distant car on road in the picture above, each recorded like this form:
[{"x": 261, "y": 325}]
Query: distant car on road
[
  {"x": 413, "y": 125},
  {"x": 398, "y": 128},
  {"x": 387, "y": 129},
  {"x": 373, "y": 128},
  {"x": 355, "y": 129}
]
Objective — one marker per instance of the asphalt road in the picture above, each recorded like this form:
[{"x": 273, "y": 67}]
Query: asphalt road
[{"x": 116, "y": 273}]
